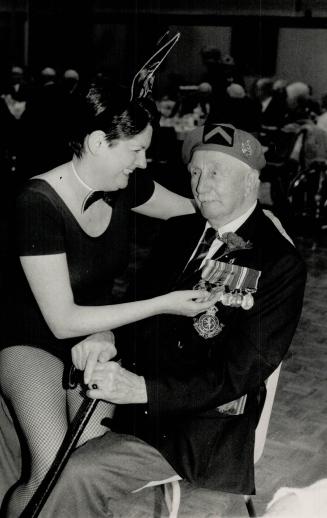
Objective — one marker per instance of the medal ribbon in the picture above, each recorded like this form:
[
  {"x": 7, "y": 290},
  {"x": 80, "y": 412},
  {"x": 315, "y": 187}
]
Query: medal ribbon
[{"x": 231, "y": 275}]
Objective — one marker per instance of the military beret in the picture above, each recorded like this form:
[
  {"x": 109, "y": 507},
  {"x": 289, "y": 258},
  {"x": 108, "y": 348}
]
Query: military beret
[{"x": 226, "y": 139}]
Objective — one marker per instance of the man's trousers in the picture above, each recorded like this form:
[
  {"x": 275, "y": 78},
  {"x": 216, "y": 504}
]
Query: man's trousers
[{"x": 102, "y": 470}]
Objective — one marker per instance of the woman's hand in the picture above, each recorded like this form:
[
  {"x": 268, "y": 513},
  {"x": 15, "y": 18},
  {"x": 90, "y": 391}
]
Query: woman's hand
[
  {"x": 188, "y": 303},
  {"x": 99, "y": 347}
]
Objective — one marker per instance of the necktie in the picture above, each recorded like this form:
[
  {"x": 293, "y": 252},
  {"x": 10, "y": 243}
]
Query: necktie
[
  {"x": 107, "y": 197},
  {"x": 203, "y": 248}
]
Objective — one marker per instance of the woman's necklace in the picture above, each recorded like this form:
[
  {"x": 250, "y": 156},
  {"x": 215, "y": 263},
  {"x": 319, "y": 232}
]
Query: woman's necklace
[
  {"x": 93, "y": 195},
  {"x": 90, "y": 193},
  {"x": 79, "y": 179}
]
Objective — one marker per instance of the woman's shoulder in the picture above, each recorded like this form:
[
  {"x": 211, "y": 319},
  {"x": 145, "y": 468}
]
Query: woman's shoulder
[
  {"x": 42, "y": 188},
  {"x": 38, "y": 201},
  {"x": 50, "y": 178},
  {"x": 36, "y": 192}
]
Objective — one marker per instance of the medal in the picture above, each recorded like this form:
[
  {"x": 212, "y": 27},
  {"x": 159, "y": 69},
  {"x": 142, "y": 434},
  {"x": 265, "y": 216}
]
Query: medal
[
  {"x": 247, "y": 302},
  {"x": 208, "y": 325},
  {"x": 227, "y": 299},
  {"x": 237, "y": 299},
  {"x": 218, "y": 292}
]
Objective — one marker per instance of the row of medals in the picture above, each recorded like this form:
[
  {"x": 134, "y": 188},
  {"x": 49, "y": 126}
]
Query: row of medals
[
  {"x": 236, "y": 298},
  {"x": 208, "y": 325}
]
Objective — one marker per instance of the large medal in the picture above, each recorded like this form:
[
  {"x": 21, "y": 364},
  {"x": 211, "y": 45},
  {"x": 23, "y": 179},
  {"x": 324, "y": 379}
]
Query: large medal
[
  {"x": 208, "y": 325},
  {"x": 247, "y": 302}
]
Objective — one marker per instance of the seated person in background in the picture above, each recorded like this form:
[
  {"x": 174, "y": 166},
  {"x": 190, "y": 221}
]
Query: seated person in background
[
  {"x": 167, "y": 107},
  {"x": 273, "y": 103},
  {"x": 194, "y": 389},
  {"x": 322, "y": 118},
  {"x": 71, "y": 81},
  {"x": 73, "y": 236},
  {"x": 13, "y": 129},
  {"x": 311, "y": 143}
]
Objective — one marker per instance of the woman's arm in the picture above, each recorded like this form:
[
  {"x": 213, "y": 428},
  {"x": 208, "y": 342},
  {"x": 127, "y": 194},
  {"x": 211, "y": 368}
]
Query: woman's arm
[
  {"x": 48, "y": 278},
  {"x": 166, "y": 204}
]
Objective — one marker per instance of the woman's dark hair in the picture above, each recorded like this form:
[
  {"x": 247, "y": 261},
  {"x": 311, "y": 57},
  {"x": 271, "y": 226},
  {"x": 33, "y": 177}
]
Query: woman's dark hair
[{"x": 108, "y": 108}]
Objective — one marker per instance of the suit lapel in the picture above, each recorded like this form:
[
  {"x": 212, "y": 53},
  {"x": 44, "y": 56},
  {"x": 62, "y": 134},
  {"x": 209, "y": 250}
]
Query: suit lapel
[{"x": 248, "y": 232}]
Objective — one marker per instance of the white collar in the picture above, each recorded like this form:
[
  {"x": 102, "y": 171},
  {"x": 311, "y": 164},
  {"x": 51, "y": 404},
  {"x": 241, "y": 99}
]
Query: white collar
[{"x": 232, "y": 226}]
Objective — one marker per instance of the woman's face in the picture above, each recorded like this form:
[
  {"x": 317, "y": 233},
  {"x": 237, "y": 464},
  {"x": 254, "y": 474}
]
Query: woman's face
[{"x": 123, "y": 156}]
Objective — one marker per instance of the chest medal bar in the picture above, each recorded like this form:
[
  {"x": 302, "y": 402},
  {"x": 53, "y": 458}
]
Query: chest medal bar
[{"x": 235, "y": 286}]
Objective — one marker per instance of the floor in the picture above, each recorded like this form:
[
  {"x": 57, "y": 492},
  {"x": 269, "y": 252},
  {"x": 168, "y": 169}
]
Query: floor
[{"x": 294, "y": 453}]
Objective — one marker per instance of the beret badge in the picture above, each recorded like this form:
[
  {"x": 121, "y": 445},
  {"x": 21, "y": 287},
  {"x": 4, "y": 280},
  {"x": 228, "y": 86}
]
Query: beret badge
[{"x": 246, "y": 148}]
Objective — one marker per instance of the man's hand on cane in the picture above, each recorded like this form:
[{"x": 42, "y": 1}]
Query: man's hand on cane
[{"x": 116, "y": 384}]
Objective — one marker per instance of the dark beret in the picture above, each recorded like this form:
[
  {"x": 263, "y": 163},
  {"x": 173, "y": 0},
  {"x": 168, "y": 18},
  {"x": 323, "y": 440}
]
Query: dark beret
[{"x": 226, "y": 139}]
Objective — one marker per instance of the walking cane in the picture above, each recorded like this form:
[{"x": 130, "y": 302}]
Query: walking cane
[{"x": 68, "y": 444}]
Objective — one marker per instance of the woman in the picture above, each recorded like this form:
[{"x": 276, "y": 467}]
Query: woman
[{"x": 71, "y": 245}]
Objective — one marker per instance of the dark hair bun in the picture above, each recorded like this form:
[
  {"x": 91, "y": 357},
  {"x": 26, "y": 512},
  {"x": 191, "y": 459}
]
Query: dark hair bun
[
  {"x": 107, "y": 107},
  {"x": 104, "y": 95}
]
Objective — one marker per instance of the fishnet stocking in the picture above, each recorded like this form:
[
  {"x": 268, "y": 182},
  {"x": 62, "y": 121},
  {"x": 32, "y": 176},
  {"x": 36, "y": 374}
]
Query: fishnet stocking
[
  {"x": 31, "y": 381},
  {"x": 94, "y": 427}
]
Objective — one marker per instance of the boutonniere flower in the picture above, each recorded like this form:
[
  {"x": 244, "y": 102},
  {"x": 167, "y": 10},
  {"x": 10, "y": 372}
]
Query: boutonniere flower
[{"x": 234, "y": 243}]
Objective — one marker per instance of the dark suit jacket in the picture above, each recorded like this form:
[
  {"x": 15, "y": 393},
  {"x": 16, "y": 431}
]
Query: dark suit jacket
[{"x": 187, "y": 376}]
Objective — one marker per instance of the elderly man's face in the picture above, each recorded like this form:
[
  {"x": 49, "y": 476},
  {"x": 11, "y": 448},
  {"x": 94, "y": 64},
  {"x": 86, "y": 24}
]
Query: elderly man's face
[{"x": 220, "y": 185}]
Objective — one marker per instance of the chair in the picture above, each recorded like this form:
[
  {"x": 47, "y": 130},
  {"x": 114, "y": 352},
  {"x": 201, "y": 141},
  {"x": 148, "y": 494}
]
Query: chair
[
  {"x": 262, "y": 428},
  {"x": 172, "y": 500},
  {"x": 260, "y": 439}
]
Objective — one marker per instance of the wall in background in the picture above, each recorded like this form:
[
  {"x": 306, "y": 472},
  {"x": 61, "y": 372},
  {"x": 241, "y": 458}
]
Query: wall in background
[
  {"x": 186, "y": 59},
  {"x": 267, "y": 37},
  {"x": 302, "y": 56}
]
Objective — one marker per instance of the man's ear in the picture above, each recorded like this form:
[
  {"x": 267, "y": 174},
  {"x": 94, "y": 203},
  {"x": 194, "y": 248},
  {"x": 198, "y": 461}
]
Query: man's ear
[
  {"x": 96, "y": 142},
  {"x": 252, "y": 181}
]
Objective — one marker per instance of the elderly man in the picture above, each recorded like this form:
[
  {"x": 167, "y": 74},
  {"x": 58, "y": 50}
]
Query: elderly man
[{"x": 193, "y": 388}]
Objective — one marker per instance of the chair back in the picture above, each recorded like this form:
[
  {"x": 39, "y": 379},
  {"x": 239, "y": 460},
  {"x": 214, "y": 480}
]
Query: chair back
[{"x": 262, "y": 427}]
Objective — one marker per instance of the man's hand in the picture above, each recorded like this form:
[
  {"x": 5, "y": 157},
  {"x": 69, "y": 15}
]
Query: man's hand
[
  {"x": 116, "y": 384},
  {"x": 99, "y": 347}
]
